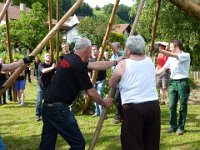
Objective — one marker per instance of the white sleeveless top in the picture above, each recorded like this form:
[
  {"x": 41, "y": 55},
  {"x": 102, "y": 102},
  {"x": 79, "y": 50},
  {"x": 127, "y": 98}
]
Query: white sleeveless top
[{"x": 138, "y": 84}]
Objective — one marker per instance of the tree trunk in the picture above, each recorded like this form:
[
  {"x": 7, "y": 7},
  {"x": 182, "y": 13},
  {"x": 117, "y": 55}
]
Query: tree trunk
[{"x": 189, "y": 6}]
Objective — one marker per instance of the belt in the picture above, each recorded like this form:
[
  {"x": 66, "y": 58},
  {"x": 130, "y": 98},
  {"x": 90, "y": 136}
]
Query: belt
[
  {"x": 184, "y": 79},
  {"x": 54, "y": 103}
]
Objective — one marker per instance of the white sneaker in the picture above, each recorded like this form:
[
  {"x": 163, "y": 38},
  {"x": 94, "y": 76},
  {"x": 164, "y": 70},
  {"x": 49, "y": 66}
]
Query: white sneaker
[{"x": 21, "y": 104}]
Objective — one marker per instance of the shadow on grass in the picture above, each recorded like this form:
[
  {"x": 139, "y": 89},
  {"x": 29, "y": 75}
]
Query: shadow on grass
[{"x": 30, "y": 103}]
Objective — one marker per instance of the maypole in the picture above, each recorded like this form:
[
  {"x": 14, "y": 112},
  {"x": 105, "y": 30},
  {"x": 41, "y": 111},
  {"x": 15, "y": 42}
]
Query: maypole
[
  {"x": 50, "y": 27},
  {"x": 58, "y": 32}
]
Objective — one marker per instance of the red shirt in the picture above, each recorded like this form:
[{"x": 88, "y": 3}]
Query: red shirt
[{"x": 161, "y": 60}]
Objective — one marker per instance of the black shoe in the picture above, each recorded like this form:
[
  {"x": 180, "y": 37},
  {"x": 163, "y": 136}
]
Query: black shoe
[{"x": 117, "y": 120}]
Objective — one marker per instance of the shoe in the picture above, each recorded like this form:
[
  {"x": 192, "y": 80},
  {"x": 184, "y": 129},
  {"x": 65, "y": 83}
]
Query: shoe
[
  {"x": 171, "y": 130},
  {"x": 117, "y": 120},
  {"x": 95, "y": 115},
  {"x": 162, "y": 102},
  {"x": 37, "y": 118},
  {"x": 179, "y": 132},
  {"x": 21, "y": 104}
]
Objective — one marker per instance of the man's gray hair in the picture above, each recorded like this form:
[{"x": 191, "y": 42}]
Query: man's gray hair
[
  {"x": 82, "y": 43},
  {"x": 135, "y": 44},
  {"x": 117, "y": 44}
]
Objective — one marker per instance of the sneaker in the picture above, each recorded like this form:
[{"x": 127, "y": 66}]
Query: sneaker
[
  {"x": 37, "y": 118},
  {"x": 21, "y": 104},
  {"x": 179, "y": 132},
  {"x": 171, "y": 130}
]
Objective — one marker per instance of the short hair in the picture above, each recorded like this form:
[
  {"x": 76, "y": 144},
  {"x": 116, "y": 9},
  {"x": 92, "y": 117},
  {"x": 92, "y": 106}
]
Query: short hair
[
  {"x": 135, "y": 44},
  {"x": 178, "y": 43},
  {"x": 95, "y": 47},
  {"x": 117, "y": 44},
  {"x": 82, "y": 43}
]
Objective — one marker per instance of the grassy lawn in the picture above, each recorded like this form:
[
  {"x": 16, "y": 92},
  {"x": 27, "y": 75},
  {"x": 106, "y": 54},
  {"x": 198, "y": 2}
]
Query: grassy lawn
[{"x": 20, "y": 131}]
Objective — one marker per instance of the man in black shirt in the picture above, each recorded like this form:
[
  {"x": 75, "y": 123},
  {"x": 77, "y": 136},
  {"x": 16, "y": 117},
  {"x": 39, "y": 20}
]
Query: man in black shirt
[
  {"x": 46, "y": 71},
  {"x": 70, "y": 78}
]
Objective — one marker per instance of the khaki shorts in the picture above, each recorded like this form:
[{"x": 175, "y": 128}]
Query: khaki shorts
[{"x": 163, "y": 81}]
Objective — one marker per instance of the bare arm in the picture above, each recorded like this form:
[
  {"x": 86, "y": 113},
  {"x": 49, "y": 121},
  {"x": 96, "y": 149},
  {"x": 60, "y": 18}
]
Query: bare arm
[
  {"x": 167, "y": 53},
  {"x": 100, "y": 65},
  {"x": 119, "y": 71},
  {"x": 12, "y": 66},
  {"x": 160, "y": 71},
  {"x": 97, "y": 98}
]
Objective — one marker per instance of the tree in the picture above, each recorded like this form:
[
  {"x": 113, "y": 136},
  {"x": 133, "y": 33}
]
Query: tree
[
  {"x": 84, "y": 10},
  {"x": 29, "y": 30},
  {"x": 94, "y": 28},
  {"x": 123, "y": 13},
  {"x": 97, "y": 8},
  {"x": 108, "y": 8}
]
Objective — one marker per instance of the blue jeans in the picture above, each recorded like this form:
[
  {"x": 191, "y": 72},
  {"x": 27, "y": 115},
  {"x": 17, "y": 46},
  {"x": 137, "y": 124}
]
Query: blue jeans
[
  {"x": 2, "y": 146},
  {"x": 99, "y": 86},
  {"x": 40, "y": 93},
  {"x": 58, "y": 119}
]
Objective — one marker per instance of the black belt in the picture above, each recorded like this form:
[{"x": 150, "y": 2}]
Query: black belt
[
  {"x": 55, "y": 103},
  {"x": 184, "y": 79}
]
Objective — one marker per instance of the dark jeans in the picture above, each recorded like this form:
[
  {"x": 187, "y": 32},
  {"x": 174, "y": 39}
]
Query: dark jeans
[
  {"x": 27, "y": 73},
  {"x": 141, "y": 126},
  {"x": 9, "y": 93},
  {"x": 58, "y": 119},
  {"x": 3, "y": 97},
  {"x": 178, "y": 89},
  {"x": 118, "y": 104}
]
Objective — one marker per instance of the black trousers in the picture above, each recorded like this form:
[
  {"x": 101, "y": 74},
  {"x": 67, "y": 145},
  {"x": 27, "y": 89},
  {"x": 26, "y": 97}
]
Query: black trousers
[{"x": 141, "y": 126}]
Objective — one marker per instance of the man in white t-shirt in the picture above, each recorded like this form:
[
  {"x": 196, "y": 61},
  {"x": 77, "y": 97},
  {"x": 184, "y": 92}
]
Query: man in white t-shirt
[
  {"x": 179, "y": 63},
  {"x": 135, "y": 77}
]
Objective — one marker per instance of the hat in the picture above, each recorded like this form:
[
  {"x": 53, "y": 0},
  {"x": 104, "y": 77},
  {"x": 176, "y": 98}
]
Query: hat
[{"x": 162, "y": 43}]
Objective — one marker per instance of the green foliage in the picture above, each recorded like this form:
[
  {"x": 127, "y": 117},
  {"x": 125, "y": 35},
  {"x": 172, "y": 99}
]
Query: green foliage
[
  {"x": 28, "y": 31},
  {"x": 94, "y": 28},
  {"x": 108, "y": 8},
  {"x": 84, "y": 10}
]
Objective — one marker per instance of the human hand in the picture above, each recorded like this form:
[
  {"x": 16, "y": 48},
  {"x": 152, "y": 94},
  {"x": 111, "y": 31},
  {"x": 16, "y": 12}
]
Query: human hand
[
  {"x": 53, "y": 65},
  {"x": 108, "y": 102},
  {"x": 28, "y": 59}
]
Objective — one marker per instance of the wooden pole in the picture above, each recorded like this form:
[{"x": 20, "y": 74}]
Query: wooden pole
[
  {"x": 5, "y": 7},
  {"x": 139, "y": 10},
  {"x": 107, "y": 34},
  {"x": 154, "y": 27},
  {"x": 58, "y": 32},
  {"x": 10, "y": 51},
  {"x": 50, "y": 27},
  {"x": 110, "y": 95},
  {"x": 100, "y": 123},
  {"x": 42, "y": 44}
]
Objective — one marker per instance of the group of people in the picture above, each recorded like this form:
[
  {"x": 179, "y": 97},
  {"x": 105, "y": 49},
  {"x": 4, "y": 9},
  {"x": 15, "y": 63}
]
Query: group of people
[{"x": 134, "y": 77}]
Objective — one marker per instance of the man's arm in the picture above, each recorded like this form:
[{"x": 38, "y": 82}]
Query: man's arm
[
  {"x": 119, "y": 71},
  {"x": 12, "y": 66},
  {"x": 47, "y": 70},
  {"x": 97, "y": 98},
  {"x": 160, "y": 71},
  {"x": 167, "y": 53},
  {"x": 101, "y": 65}
]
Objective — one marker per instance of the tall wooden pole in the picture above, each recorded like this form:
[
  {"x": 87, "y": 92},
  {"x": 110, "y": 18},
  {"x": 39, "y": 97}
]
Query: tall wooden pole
[
  {"x": 112, "y": 91},
  {"x": 42, "y": 44},
  {"x": 10, "y": 50},
  {"x": 58, "y": 32},
  {"x": 139, "y": 10},
  {"x": 50, "y": 27},
  {"x": 5, "y": 7},
  {"x": 154, "y": 27},
  {"x": 107, "y": 34}
]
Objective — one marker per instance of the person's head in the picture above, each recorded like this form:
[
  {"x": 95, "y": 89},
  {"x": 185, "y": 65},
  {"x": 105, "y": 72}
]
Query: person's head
[
  {"x": 163, "y": 45},
  {"x": 83, "y": 49},
  {"x": 95, "y": 51},
  {"x": 135, "y": 45},
  {"x": 65, "y": 48},
  {"x": 2, "y": 61},
  {"x": 176, "y": 45},
  {"x": 117, "y": 45},
  {"x": 47, "y": 58}
]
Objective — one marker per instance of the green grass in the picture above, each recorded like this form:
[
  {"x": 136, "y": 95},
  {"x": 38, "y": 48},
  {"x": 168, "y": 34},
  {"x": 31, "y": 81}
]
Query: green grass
[{"x": 20, "y": 131}]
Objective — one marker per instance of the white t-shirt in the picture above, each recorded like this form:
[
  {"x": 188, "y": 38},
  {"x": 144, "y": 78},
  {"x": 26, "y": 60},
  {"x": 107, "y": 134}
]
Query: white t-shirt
[
  {"x": 138, "y": 83},
  {"x": 179, "y": 66}
]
